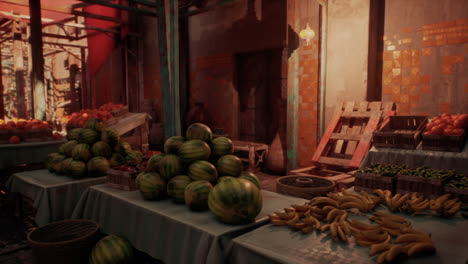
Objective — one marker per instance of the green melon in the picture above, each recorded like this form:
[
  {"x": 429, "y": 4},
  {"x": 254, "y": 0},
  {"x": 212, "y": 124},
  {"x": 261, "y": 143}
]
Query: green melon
[
  {"x": 172, "y": 144},
  {"x": 116, "y": 160},
  {"x": 229, "y": 165},
  {"x": 110, "y": 136},
  {"x": 74, "y": 134},
  {"x": 77, "y": 169},
  {"x": 134, "y": 156},
  {"x": 170, "y": 166},
  {"x": 194, "y": 150},
  {"x": 123, "y": 147},
  {"x": 95, "y": 124},
  {"x": 67, "y": 148},
  {"x": 221, "y": 146},
  {"x": 54, "y": 162},
  {"x": 220, "y": 179},
  {"x": 176, "y": 187},
  {"x": 196, "y": 195},
  {"x": 112, "y": 249},
  {"x": 202, "y": 170},
  {"x": 235, "y": 201},
  {"x": 251, "y": 177},
  {"x": 98, "y": 166},
  {"x": 65, "y": 168},
  {"x": 199, "y": 131},
  {"x": 88, "y": 136},
  {"x": 153, "y": 162},
  {"x": 102, "y": 149},
  {"x": 151, "y": 185},
  {"x": 81, "y": 152}
]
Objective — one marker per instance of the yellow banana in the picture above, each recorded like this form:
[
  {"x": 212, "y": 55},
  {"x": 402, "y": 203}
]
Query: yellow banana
[
  {"x": 375, "y": 235},
  {"x": 324, "y": 200},
  {"x": 325, "y": 227},
  {"x": 453, "y": 210},
  {"x": 362, "y": 226},
  {"x": 420, "y": 247},
  {"x": 345, "y": 226},
  {"x": 312, "y": 221},
  {"x": 394, "y": 225},
  {"x": 393, "y": 232},
  {"x": 341, "y": 234},
  {"x": 401, "y": 201},
  {"x": 286, "y": 216},
  {"x": 318, "y": 216},
  {"x": 274, "y": 217},
  {"x": 412, "y": 237},
  {"x": 364, "y": 243},
  {"x": 381, "y": 257},
  {"x": 293, "y": 220},
  {"x": 443, "y": 198},
  {"x": 350, "y": 199},
  {"x": 377, "y": 248},
  {"x": 349, "y": 205},
  {"x": 391, "y": 217},
  {"x": 307, "y": 229},
  {"x": 298, "y": 226},
  {"x": 420, "y": 207},
  {"x": 343, "y": 217},
  {"x": 290, "y": 210},
  {"x": 380, "y": 193},
  {"x": 278, "y": 222},
  {"x": 332, "y": 214},
  {"x": 449, "y": 203},
  {"x": 300, "y": 208},
  {"x": 434, "y": 205},
  {"x": 394, "y": 251},
  {"x": 334, "y": 196},
  {"x": 334, "y": 231}
]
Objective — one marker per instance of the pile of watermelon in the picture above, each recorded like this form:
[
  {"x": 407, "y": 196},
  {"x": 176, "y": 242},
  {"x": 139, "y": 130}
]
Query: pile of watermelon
[
  {"x": 91, "y": 151},
  {"x": 202, "y": 173}
]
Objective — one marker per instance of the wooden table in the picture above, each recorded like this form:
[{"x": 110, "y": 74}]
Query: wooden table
[{"x": 257, "y": 152}]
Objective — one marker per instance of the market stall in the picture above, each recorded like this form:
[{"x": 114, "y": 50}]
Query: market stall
[{"x": 12, "y": 155}]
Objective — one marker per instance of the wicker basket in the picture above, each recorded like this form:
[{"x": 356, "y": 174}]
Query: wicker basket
[
  {"x": 443, "y": 142},
  {"x": 67, "y": 241},
  {"x": 369, "y": 182},
  {"x": 461, "y": 194},
  {"x": 428, "y": 187},
  {"x": 121, "y": 179},
  {"x": 306, "y": 187},
  {"x": 400, "y": 132}
]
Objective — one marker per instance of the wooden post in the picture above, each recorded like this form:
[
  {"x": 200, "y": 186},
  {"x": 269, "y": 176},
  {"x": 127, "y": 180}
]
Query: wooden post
[
  {"x": 184, "y": 67},
  {"x": 74, "y": 94},
  {"x": 37, "y": 75},
  {"x": 85, "y": 98},
  {"x": 174, "y": 63},
  {"x": 2, "y": 104},
  {"x": 19, "y": 70}
]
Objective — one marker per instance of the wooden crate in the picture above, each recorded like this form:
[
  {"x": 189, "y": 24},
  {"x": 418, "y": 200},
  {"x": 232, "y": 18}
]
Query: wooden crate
[
  {"x": 428, "y": 187},
  {"x": 256, "y": 152},
  {"x": 135, "y": 128},
  {"x": 400, "y": 132},
  {"x": 443, "y": 142},
  {"x": 121, "y": 179},
  {"x": 369, "y": 182}
]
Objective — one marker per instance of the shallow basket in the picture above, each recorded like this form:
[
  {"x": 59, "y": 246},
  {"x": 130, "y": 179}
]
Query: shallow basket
[
  {"x": 461, "y": 194},
  {"x": 428, "y": 187},
  {"x": 67, "y": 241},
  {"x": 400, "y": 132},
  {"x": 121, "y": 180},
  {"x": 302, "y": 186},
  {"x": 443, "y": 143},
  {"x": 370, "y": 182}
]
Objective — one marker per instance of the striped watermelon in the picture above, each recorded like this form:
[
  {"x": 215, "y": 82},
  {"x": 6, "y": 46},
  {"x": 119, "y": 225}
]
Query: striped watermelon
[
  {"x": 77, "y": 169},
  {"x": 116, "y": 160},
  {"x": 172, "y": 144},
  {"x": 202, "y": 170},
  {"x": 65, "y": 168},
  {"x": 221, "y": 146},
  {"x": 67, "y": 148},
  {"x": 151, "y": 185},
  {"x": 98, "y": 166},
  {"x": 220, "y": 179},
  {"x": 74, "y": 133},
  {"x": 176, "y": 187},
  {"x": 54, "y": 162},
  {"x": 153, "y": 162},
  {"x": 251, "y": 177},
  {"x": 95, "y": 124},
  {"x": 102, "y": 149},
  {"x": 134, "y": 156},
  {"x": 123, "y": 147},
  {"x": 112, "y": 249},
  {"x": 81, "y": 152},
  {"x": 229, "y": 165},
  {"x": 88, "y": 136},
  {"x": 170, "y": 166},
  {"x": 199, "y": 131},
  {"x": 196, "y": 195},
  {"x": 194, "y": 150},
  {"x": 110, "y": 136}
]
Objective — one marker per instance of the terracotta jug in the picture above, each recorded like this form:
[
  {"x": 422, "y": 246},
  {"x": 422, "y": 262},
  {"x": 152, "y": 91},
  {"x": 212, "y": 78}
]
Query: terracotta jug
[{"x": 275, "y": 157}]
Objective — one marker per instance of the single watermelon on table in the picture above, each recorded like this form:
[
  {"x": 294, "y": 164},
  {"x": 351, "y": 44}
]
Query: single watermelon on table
[
  {"x": 102, "y": 149},
  {"x": 95, "y": 124},
  {"x": 98, "y": 166},
  {"x": 221, "y": 146},
  {"x": 77, "y": 169},
  {"x": 110, "y": 136},
  {"x": 176, "y": 187},
  {"x": 229, "y": 165},
  {"x": 170, "y": 166},
  {"x": 196, "y": 195},
  {"x": 251, "y": 177},
  {"x": 54, "y": 161},
  {"x": 116, "y": 160},
  {"x": 112, "y": 249},
  {"x": 88, "y": 136},
  {"x": 202, "y": 170},
  {"x": 151, "y": 185},
  {"x": 123, "y": 147},
  {"x": 153, "y": 162},
  {"x": 199, "y": 131},
  {"x": 134, "y": 156},
  {"x": 74, "y": 134},
  {"x": 65, "y": 168},
  {"x": 81, "y": 152},
  {"x": 235, "y": 201},
  {"x": 172, "y": 144},
  {"x": 67, "y": 148},
  {"x": 194, "y": 150}
]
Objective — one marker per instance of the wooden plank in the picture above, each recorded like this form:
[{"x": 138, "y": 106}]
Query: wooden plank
[
  {"x": 365, "y": 142},
  {"x": 375, "y": 106},
  {"x": 343, "y": 131},
  {"x": 388, "y": 106},
  {"x": 356, "y": 114},
  {"x": 129, "y": 122},
  {"x": 335, "y": 161},
  {"x": 19, "y": 69},
  {"x": 349, "y": 106},
  {"x": 337, "y": 136},
  {"x": 330, "y": 129},
  {"x": 358, "y": 125},
  {"x": 363, "y": 106}
]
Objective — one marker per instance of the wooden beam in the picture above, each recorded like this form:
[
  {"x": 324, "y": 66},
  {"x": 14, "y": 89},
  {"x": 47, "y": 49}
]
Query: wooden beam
[
  {"x": 19, "y": 71},
  {"x": 174, "y": 63},
  {"x": 59, "y": 22},
  {"x": 63, "y": 44},
  {"x": 121, "y": 7},
  {"x": 95, "y": 16},
  {"x": 184, "y": 67},
  {"x": 52, "y": 8}
]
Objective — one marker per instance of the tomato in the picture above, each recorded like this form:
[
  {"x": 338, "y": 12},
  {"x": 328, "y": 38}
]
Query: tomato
[
  {"x": 445, "y": 114},
  {"x": 14, "y": 140},
  {"x": 437, "y": 130},
  {"x": 427, "y": 133},
  {"x": 448, "y": 131},
  {"x": 56, "y": 136},
  {"x": 429, "y": 126},
  {"x": 463, "y": 117},
  {"x": 439, "y": 121},
  {"x": 459, "y": 123},
  {"x": 450, "y": 126},
  {"x": 458, "y": 132}
]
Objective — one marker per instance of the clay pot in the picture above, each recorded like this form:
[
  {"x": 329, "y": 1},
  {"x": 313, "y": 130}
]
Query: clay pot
[{"x": 275, "y": 161}]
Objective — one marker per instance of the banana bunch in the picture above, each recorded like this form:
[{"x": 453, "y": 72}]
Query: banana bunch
[
  {"x": 393, "y": 202},
  {"x": 416, "y": 203},
  {"x": 367, "y": 235},
  {"x": 347, "y": 200},
  {"x": 444, "y": 206},
  {"x": 298, "y": 217}
]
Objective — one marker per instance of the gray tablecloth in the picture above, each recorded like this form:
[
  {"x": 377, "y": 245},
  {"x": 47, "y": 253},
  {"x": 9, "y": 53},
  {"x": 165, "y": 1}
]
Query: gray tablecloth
[
  {"x": 417, "y": 157},
  {"x": 54, "y": 196},
  {"x": 12, "y": 155},
  {"x": 165, "y": 230},
  {"x": 279, "y": 244}
]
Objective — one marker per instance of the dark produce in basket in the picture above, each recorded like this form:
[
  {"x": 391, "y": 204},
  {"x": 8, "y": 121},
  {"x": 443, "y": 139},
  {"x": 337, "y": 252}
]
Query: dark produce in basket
[
  {"x": 383, "y": 170},
  {"x": 459, "y": 182},
  {"x": 426, "y": 172}
]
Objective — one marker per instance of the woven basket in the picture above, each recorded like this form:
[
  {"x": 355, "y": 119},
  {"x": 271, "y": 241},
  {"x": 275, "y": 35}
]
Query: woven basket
[
  {"x": 370, "y": 182},
  {"x": 428, "y": 187},
  {"x": 302, "y": 186},
  {"x": 67, "y": 241},
  {"x": 461, "y": 194}
]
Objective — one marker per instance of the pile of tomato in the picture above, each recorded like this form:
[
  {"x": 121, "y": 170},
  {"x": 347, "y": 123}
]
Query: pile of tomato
[
  {"x": 78, "y": 119},
  {"x": 447, "y": 124},
  {"x": 23, "y": 124}
]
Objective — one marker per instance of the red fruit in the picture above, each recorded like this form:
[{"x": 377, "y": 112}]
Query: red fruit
[
  {"x": 458, "y": 132},
  {"x": 445, "y": 114},
  {"x": 437, "y": 130},
  {"x": 14, "y": 140},
  {"x": 427, "y": 133},
  {"x": 56, "y": 136},
  {"x": 448, "y": 131},
  {"x": 459, "y": 123}
]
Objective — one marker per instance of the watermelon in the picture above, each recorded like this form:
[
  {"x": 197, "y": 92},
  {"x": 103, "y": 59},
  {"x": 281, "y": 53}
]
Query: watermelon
[
  {"x": 196, "y": 195},
  {"x": 112, "y": 249},
  {"x": 202, "y": 170},
  {"x": 116, "y": 160},
  {"x": 95, "y": 124},
  {"x": 199, "y": 131},
  {"x": 88, "y": 136},
  {"x": 65, "y": 168},
  {"x": 54, "y": 162},
  {"x": 151, "y": 185},
  {"x": 123, "y": 147},
  {"x": 77, "y": 169},
  {"x": 102, "y": 149},
  {"x": 134, "y": 156},
  {"x": 81, "y": 152},
  {"x": 98, "y": 166},
  {"x": 194, "y": 150},
  {"x": 74, "y": 134},
  {"x": 251, "y": 177},
  {"x": 153, "y": 162},
  {"x": 110, "y": 136},
  {"x": 221, "y": 146},
  {"x": 176, "y": 187},
  {"x": 170, "y": 166},
  {"x": 229, "y": 165},
  {"x": 235, "y": 201},
  {"x": 67, "y": 148},
  {"x": 220, "y": 179},
  {"x": 172, "y": 144}
]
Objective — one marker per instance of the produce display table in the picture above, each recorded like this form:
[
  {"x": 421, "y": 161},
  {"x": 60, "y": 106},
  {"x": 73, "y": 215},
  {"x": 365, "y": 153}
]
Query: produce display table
[
  {"x": 417, "y": 157},
  {"x": 165, "y": 230},
  {"x": 12, "y": 155},
  {"x": 54, "y": 196},
  {"x": 280, "y": 244}
]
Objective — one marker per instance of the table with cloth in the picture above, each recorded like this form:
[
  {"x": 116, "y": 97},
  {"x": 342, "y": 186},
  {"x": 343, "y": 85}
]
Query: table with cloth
[
  {"x": 54, "y": 196},
  {"x": 12, "y": 155},
  {"x": 165, "y": 230},
  {"x": 280, "y": 244},
  {"x": 457, "y": 161}
]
